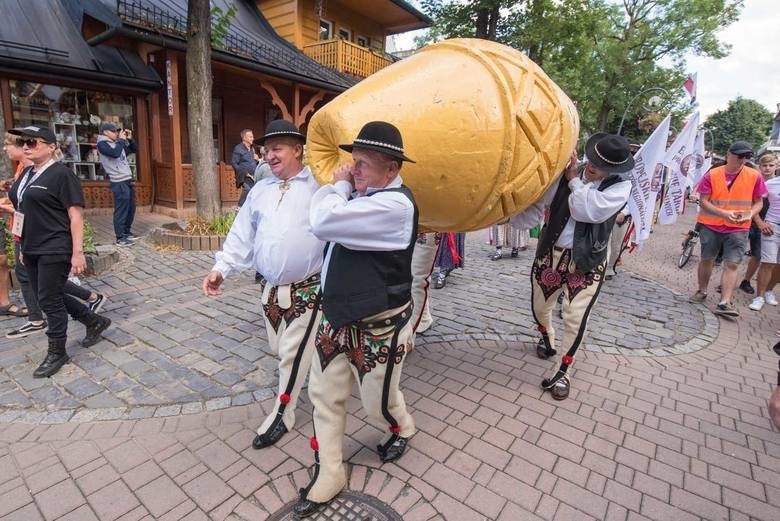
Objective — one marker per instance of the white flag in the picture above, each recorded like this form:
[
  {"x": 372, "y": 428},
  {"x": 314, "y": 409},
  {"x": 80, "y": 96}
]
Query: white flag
[
  {"x": 648, "y": 161},
  {"x": 693, "y": 164},
  {"x": 672, "y": 204}
]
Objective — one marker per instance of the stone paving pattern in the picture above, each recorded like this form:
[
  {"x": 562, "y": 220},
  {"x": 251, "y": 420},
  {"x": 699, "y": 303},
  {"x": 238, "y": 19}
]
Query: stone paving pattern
[
  {"x": 664, "y": 438},
  {"x": 172, "y": 350}
]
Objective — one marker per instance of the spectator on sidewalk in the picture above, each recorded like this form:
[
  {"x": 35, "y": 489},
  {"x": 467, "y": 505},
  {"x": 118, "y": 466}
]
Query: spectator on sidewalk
[
  {"x": 14, "y": 153},
  {"x": 767, "y": 164},
  {"x": 49, "y": 203},
  {"x": 114, "y": 144},
  {"x": 272, "y": 234},
  {"x": 369, "y": 219},
  {"x": 730, "y": 196},
  {"x": 769, "y": 225},
  {"x": 244, "y": 163}
]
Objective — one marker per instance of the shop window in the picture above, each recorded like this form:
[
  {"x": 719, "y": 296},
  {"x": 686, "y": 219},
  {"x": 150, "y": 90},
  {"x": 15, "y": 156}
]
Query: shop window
[
  {"x": 363, "y": 41},
  {"x": 345, "y": 34},
  {"x": 326, "y": 30},
  {"x": 75, "y": 116}
]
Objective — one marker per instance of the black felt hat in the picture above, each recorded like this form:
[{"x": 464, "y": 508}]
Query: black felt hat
[
  {"x": 280, "y": 128},
  {"x": 609, "y": 152},
  {"x": 380, "y": 136}
]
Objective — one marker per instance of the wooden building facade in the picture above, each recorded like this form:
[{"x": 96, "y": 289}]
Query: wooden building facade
[{"x": 123, "y": 61}]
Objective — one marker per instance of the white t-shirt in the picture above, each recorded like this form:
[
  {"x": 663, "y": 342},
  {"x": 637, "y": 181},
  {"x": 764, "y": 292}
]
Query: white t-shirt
[{"x": 773, "y": 214}]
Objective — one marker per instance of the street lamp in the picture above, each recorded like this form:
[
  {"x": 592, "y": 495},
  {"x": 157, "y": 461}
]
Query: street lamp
[{"x": 630, "y": 103}]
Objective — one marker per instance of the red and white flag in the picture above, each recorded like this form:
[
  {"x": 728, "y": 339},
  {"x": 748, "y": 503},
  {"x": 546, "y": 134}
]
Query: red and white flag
[
  {"x": 682, "y": 148},
  {"x": 690, "y": 87}
]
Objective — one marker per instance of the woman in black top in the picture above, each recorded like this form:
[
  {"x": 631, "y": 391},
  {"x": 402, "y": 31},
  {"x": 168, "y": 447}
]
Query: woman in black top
[{"x": 49, "y": 217}]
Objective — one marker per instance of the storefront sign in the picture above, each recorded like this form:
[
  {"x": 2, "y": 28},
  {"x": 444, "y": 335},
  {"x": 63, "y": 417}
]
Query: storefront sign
[{"x": 169, "y": 85}]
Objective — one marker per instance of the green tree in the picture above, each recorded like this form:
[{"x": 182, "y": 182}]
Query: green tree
[
  {"x": 743, "y": 120},
  {"x": 601, "y": 52}
]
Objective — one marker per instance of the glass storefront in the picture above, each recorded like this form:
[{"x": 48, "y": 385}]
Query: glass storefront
[{"x": 75, "y": 116}]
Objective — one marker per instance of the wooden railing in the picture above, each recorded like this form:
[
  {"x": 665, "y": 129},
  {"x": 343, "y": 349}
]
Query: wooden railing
[{"x": 347, "y": 57}]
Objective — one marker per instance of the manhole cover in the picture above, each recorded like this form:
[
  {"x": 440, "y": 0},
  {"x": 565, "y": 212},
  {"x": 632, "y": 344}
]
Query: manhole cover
[{"x": 347, "y": 506}]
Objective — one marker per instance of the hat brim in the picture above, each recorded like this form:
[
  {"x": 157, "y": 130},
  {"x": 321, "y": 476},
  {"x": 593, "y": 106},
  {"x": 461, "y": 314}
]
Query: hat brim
[
  {"x": 595, "y": 160},
  {"x": 23, "y": 132},
  {"x": 386, "y": 151},
  {"x": 741, "y": 151},
  {"x": 297, "y": 135}
]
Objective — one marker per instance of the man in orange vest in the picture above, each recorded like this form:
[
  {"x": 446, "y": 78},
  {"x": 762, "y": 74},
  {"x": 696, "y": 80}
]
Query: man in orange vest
[{"x": 730, "y": 196}]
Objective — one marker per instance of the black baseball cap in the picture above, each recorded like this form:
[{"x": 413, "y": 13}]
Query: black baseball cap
[
  {"x": 45, "y": 133},
  {"x": 741, "y": 147}
]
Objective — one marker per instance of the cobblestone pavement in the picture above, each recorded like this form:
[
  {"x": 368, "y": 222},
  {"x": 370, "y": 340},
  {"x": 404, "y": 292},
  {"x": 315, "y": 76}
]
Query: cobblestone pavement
[{"x": 681, "y": 436}]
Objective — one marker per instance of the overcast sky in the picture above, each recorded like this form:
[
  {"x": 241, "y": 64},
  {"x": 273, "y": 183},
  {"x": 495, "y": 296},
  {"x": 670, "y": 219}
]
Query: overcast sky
[{"x": 751, "y": 70}]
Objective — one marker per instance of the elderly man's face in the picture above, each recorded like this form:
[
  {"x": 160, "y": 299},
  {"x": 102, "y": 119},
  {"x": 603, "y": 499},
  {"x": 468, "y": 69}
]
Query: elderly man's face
[
  {"x": 372, "y": 169},
  {"x": 594, "y": 174},
  {"x": 284, "y": 156}
]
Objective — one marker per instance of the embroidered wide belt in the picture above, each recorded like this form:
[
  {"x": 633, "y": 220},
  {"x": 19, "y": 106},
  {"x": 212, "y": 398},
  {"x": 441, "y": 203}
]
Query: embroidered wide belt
[
  {"x": 396, "y": 320},
  {"x": 284, "y": 292}
]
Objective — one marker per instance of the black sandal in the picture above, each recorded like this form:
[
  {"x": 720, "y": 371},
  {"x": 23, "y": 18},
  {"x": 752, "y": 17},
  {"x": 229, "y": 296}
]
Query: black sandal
[{"x": 19, "y": 312}]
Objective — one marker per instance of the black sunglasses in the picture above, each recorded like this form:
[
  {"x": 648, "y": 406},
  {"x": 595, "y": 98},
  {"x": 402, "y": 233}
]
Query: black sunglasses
[
  {"x": 31, "y": 142},
  {"x": 746, "y": 155}
]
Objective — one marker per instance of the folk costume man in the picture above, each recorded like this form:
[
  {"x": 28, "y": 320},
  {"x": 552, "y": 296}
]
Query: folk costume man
[
  {"x": 571, "y": 256},
  {"x": 272, "y": 234},
  {"x": 369, "y": 218}
]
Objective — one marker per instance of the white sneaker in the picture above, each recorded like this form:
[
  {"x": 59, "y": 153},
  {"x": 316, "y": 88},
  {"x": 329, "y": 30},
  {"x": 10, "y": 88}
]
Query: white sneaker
[
  {"x": 757, "y": 304},
  {"x": 770, "y": 298}
]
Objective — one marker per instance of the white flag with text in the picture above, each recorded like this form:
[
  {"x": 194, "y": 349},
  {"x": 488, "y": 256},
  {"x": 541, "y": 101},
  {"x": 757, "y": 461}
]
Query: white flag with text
[
  {"x": 682, "y": 148},
  {"x": 648, "y": 162}
]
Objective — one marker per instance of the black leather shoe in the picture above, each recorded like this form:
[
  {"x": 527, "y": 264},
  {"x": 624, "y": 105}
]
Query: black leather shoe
[
  {"x": 542, "y": 352},
  {"x": 270, "y": 437},
  {"x": 51, "y": 364},
  {"x": 514, "y": 253},
  {"x": 94, "y": 331},
  {"x": 305, "y": 508},
  {"x": 394, "y": 451}
]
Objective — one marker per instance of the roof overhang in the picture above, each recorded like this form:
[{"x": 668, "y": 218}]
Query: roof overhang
[{"x": 395, "y": 16}]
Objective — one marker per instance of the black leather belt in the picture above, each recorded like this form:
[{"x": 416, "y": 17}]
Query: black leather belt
[{"x": 396, "y": 320}]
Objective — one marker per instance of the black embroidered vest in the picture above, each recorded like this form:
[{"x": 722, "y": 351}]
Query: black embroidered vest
[
  {"x": 591, "y": 240},
  {"x": 360, "y": 284}
]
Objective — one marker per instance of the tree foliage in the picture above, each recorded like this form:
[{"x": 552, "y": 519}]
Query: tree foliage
[
  {"x": 602, "y": 53},
  {"x": 743, "y": 120}
]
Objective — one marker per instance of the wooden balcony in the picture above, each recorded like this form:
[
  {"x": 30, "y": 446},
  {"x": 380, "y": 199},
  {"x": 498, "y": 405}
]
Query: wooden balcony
[{"x": 347, "y": 57}]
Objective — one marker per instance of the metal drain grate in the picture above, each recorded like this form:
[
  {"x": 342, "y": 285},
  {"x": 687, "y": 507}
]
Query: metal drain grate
[{"x": 347, "y": 506}]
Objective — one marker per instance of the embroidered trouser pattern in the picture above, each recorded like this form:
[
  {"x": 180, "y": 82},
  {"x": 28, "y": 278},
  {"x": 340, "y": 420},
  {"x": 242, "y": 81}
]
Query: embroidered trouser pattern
[
  {"x": 291, "y": 316},
  {"x": 374, "y": 359},
  {"x": 551, "y": 274}
]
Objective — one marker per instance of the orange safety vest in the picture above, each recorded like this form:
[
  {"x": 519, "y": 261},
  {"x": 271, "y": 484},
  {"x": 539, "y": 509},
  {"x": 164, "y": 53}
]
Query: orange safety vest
[{"x": 738, "y": 198}]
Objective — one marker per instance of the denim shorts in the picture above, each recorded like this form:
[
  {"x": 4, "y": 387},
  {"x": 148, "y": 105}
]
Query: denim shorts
[{"x": 733, "y": 244}]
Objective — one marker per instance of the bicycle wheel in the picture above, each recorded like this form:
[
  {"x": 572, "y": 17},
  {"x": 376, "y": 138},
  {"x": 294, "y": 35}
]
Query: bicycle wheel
[{"x": 685, "y": 256}]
